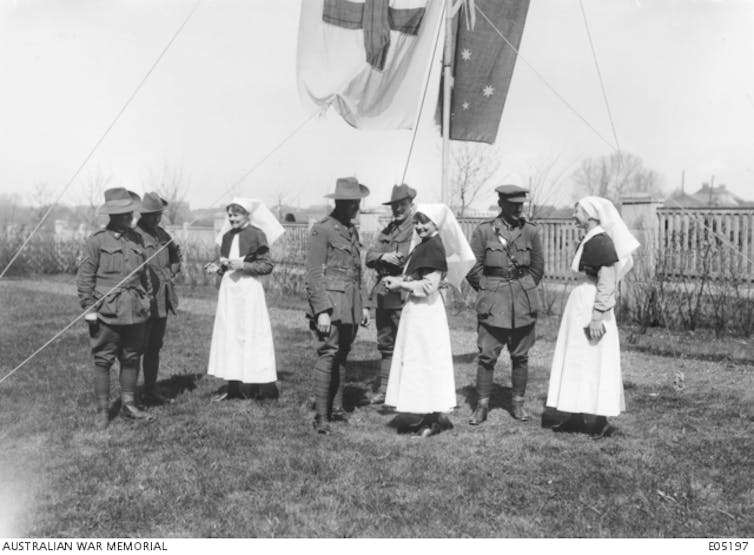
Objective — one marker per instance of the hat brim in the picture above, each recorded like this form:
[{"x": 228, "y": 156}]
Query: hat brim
[
  {"x": 132, "y": 206},
  {"x": 363, "y": 192},
  {"x": 517, "y": 199},
  {"x": 143, "y": 210},
  {"x": 406, "y": 197}
]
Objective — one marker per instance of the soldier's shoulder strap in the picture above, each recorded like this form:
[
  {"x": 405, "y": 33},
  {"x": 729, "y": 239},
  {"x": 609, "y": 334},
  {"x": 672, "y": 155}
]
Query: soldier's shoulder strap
[
  {"x": 319, "y": 226},
  {"x": 530, "y": 227},
  {"x": 486, "y": 224}
]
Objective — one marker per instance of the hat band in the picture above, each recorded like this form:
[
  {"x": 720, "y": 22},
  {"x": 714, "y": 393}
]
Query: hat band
[{"x": 119, "y": 202}]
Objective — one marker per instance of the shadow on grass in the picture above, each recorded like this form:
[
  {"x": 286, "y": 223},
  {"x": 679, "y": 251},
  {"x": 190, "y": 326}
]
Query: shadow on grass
[
  {"x": 500, "y": 397},
  {"x": 178, "y": 384},
  {"x": 254, "y": 391},
  {"x": 354, "y": 396},
  {"x": 362, "y": 370}
]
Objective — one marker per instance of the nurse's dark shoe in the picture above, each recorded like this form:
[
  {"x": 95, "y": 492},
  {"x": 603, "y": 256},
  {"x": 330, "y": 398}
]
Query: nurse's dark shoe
[{"x": 573, "y": 423}]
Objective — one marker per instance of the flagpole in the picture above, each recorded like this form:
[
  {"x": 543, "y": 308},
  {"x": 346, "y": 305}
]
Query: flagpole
[{"x": 447, "y": 76}]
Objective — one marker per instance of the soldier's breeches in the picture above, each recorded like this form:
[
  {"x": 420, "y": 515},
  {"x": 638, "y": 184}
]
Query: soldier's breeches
[
  {"x": 387, "y": 320},
  {"x": 329, "y": 370},
  {"x": 153, "y": 337},
  {"x": 490, "y": 341},
  {"x": 111, "y": 342}
]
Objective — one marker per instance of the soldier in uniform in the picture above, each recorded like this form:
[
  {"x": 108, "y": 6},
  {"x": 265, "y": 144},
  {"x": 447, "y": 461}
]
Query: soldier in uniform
[
  {"x": 162, "y": 269},
  {"x": 116, "y": 320},
  {"x": 337, "y": 303},
  {"x": 508, "y": 270},
  {"x": 388, "y": 257}
]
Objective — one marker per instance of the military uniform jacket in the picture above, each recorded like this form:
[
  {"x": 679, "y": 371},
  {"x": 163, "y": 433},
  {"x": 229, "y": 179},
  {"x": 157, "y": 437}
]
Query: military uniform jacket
[
  {"x": 161, "y": 269},
  {"x": 107, "y": 258},
  {"x": 333, "y": 272},
  {"x": 396, "y": 237},
  {"x": 509, "y": 266}
]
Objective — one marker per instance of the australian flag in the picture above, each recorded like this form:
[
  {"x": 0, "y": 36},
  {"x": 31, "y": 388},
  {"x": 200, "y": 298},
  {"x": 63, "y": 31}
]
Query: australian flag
[{"x": 483, "y": 66}]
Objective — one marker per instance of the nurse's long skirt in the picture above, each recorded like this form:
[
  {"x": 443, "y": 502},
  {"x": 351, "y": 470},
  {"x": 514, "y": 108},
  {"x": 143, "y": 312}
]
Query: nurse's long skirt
[
  {"x": 585, "y": 377},
  {"x": 242, "y": 347},
  {"x": 421, "y": 375}
]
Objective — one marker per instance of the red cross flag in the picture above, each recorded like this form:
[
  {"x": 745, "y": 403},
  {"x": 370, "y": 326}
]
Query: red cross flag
[
  {"x": 367, "y": 59},
  {"x": 483, "y": 66}
]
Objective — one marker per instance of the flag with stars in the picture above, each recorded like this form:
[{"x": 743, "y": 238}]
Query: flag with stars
[
  {"x": 368, "y": 59},
  {"x": 483, "y": 67}
]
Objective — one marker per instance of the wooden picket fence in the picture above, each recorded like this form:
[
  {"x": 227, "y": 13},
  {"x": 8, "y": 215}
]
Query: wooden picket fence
[
  {"x": 714, "y": 242},
  {"x": 717, "y": 243}
]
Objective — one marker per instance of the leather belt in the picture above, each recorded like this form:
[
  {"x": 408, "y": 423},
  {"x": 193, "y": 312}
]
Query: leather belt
[{"x": 514, "y": 273}]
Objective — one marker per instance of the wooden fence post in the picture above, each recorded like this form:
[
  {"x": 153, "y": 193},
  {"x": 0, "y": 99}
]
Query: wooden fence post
[{"x": 640, "y": 215}]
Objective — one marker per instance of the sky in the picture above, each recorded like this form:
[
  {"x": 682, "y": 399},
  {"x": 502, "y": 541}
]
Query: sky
[{"x": 678, "y": 76}]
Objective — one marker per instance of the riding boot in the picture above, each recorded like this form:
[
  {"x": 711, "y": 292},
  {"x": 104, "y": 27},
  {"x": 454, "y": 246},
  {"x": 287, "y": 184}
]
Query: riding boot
[
  {"x": 338, "y": 413},
  {"x": 103, "y": 412},
  {"x": 322, "y": 379},
  {"x": 379, "y": 397},
  {"x": 480, "y": 413},
  {"x": 518, "y": 411}
]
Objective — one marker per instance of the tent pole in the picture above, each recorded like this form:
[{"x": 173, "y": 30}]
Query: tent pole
[{"x": 447, "y": 76}]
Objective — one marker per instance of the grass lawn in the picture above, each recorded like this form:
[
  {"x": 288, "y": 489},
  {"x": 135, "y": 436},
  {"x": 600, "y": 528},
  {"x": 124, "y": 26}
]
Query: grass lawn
[{"x": 680, "y": 466}]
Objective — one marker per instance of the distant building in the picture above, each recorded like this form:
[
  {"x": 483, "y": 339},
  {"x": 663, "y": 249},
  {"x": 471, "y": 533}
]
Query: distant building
[{"x": 707, "y": 197}]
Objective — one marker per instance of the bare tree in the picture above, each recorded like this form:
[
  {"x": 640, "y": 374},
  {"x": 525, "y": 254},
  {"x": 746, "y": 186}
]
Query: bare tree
[
  {"x": 172, "y": 185},
  {"x": 615, "y": 176},
  {"x": 545, "y": 184},
  {"x": 10, "y": 204},
  {"x": 93, "y": 190},
  {"x": 280, "y": 198},
  {"x": 40, "y": 200},
  {"x": 472, "y": 167}
]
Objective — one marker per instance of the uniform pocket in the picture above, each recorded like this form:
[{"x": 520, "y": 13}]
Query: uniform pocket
[
  {"x": 484, "y": 303},
  {"x": 111, "y": 259},
  {"x": 109, "y": 307},
  {"x": 335, "y": 284},
  {"x": 522, "y": 255},
  {"x": 340, "y": 255},
  {"x": 142, "y": 304},
  {"x": 494, "y": 255},
  {"x": 533, "y": 293}
]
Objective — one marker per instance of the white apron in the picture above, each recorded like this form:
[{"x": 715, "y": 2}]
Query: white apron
[
  {"x": 242, "y": 347},
  {"x": 586, "y": 377},
  {"x": 421, "y": 375}
]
